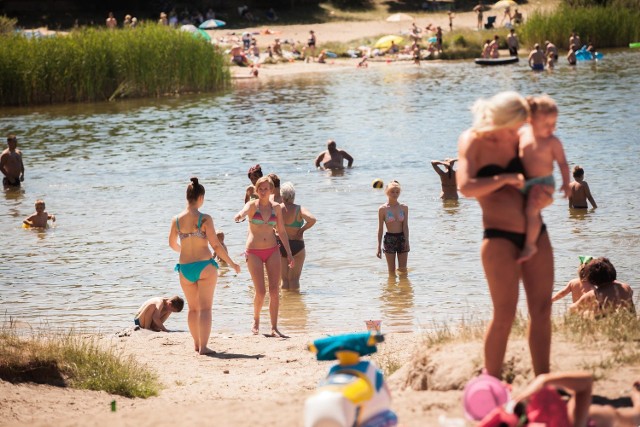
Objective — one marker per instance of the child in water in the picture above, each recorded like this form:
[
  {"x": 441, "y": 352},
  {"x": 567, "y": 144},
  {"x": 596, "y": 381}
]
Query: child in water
[
  {"x": 580, "y": 191},
  {"x": 539, "y": 148},
  {"x": 395, "y": 216},
  {"x": 40, "y": 218}
]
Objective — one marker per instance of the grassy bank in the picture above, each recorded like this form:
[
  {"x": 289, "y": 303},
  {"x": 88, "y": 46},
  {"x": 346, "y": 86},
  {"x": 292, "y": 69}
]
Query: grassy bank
[
  {"x": 74, "y": 361},
  {"x": 604, "y": 26},
  {"x": 98, "y": 64}
]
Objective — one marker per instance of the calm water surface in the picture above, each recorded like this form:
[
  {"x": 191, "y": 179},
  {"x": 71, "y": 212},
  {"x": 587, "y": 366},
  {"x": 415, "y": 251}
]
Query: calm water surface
[{"x": 115, "y": 175}]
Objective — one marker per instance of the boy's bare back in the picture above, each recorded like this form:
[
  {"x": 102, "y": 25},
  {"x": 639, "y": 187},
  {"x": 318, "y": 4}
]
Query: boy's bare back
[{"x": 579, "y": 195}]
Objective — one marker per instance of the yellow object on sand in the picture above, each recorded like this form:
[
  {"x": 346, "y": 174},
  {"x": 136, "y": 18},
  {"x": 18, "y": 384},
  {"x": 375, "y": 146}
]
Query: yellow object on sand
[{"x": 385, "y": 42}]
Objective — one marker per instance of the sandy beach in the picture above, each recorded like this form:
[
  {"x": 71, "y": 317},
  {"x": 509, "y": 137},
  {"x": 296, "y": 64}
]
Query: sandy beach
[{"x": 255, "y": 380}]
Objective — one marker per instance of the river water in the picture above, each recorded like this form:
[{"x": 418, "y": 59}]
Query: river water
[{"x": 116, "y": 173}]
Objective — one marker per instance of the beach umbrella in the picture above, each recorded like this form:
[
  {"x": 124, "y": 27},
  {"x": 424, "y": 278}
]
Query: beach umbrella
[
  {"x": 385, "y": 42},
  {"x": 211, "y": 24},
  {"x": 503, "y": 4},
  {"x": 399, "y": 17},
  {"x": 202, "y": 34}
]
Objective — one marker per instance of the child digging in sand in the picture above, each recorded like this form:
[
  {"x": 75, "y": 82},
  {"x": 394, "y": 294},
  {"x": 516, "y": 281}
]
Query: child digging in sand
[
  {"x": 40, "y": 217},
  {"x": 539, "y": 148},
  {"x": 155, "y": 311}
]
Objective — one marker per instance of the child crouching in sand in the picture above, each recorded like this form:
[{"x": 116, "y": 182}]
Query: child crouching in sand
[
  {"x": 539, "y": 148},
  {"x": 155, "y": 311},
  {"x": 40, "y": 218}
]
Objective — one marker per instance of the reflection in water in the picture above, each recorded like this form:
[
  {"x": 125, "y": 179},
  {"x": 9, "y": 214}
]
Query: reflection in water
[
  {"x": 579, "y": 214},
  {"x": 293, "y": 311},
  {"x": 451, "y": 206},
  {"x": 397, "y": 302}
]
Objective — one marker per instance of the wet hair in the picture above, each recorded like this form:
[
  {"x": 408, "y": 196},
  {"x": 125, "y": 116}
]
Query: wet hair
[
  {"x": 600, "y": 271},
  {"x": 11, "y": 137},
  {"x": 177, "y": 303},
  {"x": 275, "y": 180},
  {"x": 331, "y": 144},
  {"x": 542, "y": 104},
  {"x": 194, "y": 190},
  {"x": 264, "y": 179},
  {"x": 391, "y": 185},
  {"x": 503, "y": 110},
  {"x": 39, "y": 202},
  {"x": 255, "y": 170},
  {"x": 578, "y": 171},
  {"x": 288, "y": 192}
]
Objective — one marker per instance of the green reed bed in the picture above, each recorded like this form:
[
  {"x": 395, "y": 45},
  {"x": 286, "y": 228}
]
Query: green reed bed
[
  {"x": 605, "y": 26},
  {"x": 99, "y": 64},
  {"x": 74, "y": 361}
]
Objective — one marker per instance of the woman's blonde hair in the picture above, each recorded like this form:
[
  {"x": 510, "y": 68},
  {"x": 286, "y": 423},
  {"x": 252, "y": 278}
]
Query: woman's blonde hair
[
  {"x": 391, "y": 185},
  {"x": 503, "y": 110},
  {"x": 265, "y": 179}
]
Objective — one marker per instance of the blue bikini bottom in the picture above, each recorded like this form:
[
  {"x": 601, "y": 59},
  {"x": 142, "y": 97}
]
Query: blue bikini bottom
[{"x": 192, "y": 271}]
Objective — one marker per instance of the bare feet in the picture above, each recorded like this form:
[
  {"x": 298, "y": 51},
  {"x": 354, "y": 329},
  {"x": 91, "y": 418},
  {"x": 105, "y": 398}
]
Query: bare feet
[
  {"x": 206, "y": 350},
  {"x": 527, "y": 253},
  {"x": 256, "y": 327}
]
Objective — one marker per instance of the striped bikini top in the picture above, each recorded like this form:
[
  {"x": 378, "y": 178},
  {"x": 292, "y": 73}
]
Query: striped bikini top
[
  {"x": 198, "y": 233},
  {"x": 257, "y": 217}
]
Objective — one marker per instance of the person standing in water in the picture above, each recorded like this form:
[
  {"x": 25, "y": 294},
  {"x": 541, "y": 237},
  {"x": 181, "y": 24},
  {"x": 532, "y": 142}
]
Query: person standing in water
[
  {"x": 579, "y": 191},
  {"x": 11, "y": 164},
  {"x": 447, "y": 178},
  {"x": 333, "y": 158},
  {"x": 395, "y": 216},
  {"x": 197, "y": 267}
]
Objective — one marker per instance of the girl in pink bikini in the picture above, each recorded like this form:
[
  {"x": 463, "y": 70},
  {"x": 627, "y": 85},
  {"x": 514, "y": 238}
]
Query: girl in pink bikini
[{"x": 262, "y": 250}]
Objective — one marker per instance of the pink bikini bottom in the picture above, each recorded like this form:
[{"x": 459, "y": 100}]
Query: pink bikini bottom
[{"x": 263, "y": 254}]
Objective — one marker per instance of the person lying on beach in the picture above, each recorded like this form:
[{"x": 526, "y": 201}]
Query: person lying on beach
[
  {"x": 40, "y": 218},
  {"x": 539, "y": 149},
  {"x": 155, "y": 311},
  {"x": 579, "y": 191},
  {"x": 609, "y": 294},
  {"x": 578, "y": 286},
  {"x": 542, "y": 404},
  {"x": 333, "y": 158},
  {"x": 447, "y": 178}
]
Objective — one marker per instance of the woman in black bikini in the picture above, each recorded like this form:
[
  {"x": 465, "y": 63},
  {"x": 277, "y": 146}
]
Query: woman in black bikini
[
  {"x": 490, "y": 170},
  {"x": 297, "y": 220}
]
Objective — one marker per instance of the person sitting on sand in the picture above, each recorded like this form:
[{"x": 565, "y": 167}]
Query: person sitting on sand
[
  {"x": 11, "y": 164},
  {"x": 393, "y": 49},
  {"x": 542, "y": 404},
  {"x": 578, "y": 286},
  {"x": 154, "y": 312},
  {"x": 40, "y": 217},
  {"x": 536, "y": 58},
  {"x": 220, "y": 235},
  {"x": 277, "y": 48},
  {"x": 609, "y": 294},
  {"x": 238, "y": 56},
  {"x": 322, "y": 58},
  {"x": 333, "y": 158},
  {"x": 447, "y": 178},
  {"x": 579, "y": 191}
]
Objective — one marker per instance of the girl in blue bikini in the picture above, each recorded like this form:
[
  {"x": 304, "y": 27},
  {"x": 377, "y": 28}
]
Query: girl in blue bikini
[
  {"x": 197, "y": 267},
  {"x": 262, "y": 251},
  {"x": 395, "y": 216}
]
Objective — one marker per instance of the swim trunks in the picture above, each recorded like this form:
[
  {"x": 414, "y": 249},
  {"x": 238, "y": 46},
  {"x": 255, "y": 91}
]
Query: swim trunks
[
  {"x": 542, "y": 180},
  {"x": 394, "y": 243},
  {"x": 136, "y": 321},
  {"x": 10, "y": 182},
  {"x": 537, "y": 67}
]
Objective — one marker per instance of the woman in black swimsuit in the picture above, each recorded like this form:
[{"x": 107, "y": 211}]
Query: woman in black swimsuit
[{"x": 490, "y": 170}]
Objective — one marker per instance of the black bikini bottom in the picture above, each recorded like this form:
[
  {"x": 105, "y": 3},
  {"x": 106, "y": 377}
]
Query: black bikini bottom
[
  {"x": 295, "y": 246},
  {"x": 518, "y": 239}
]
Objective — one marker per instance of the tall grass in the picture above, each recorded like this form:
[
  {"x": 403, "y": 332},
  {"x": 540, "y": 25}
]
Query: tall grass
[
  {"x": 604, "y": 26},
  {"x": 71, "y": 360},
  {"x": 99, "y": 64}
]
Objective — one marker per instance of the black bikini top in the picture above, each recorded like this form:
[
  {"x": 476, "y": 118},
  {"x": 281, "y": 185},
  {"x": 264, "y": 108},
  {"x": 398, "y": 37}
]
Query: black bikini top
[{"x": 514, "y": 166}]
